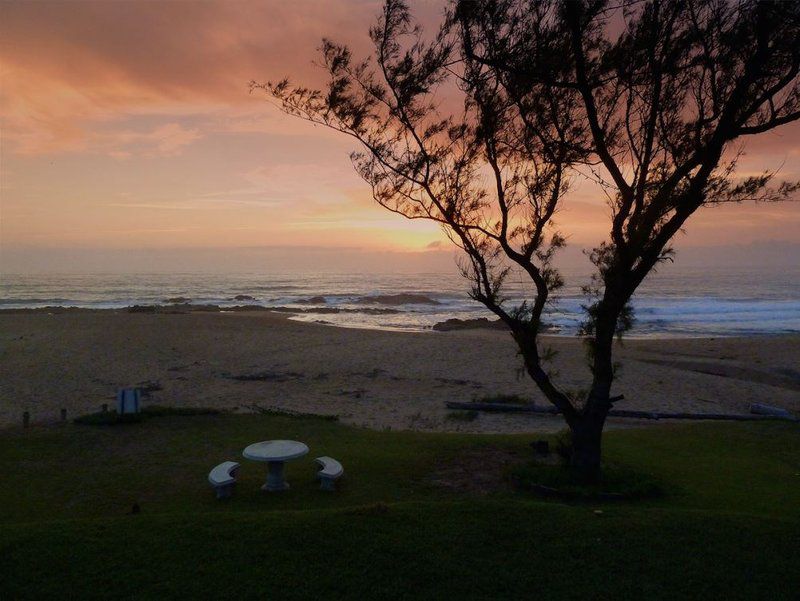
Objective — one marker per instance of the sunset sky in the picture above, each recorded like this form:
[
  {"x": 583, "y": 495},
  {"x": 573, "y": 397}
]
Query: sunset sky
[{"x": 129, "y": 126}]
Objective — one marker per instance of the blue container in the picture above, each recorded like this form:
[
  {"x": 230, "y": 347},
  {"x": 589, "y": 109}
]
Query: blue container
[{"x": 128, "y": 400}]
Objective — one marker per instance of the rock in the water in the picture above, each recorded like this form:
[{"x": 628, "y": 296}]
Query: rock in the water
[
  {"x": 469, "y": 324},
  {"x": 143, "y": 309},
  {"x": 314, "y": 300},
  {"x": 243, "y": 297},
  {"x": 178, "y": 300}
]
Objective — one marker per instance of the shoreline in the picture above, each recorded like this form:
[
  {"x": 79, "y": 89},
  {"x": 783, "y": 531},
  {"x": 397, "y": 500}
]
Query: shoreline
[
  {"x": 296, "y": 314},
  {"x": 76, "y": 359}
]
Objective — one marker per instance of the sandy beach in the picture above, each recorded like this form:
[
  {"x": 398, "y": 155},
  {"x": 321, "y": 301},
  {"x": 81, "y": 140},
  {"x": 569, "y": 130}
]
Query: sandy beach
[{"x": 378, "y": 379}]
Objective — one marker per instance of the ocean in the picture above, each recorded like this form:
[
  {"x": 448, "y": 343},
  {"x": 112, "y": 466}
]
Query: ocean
[{"x": 686, "y": 303}]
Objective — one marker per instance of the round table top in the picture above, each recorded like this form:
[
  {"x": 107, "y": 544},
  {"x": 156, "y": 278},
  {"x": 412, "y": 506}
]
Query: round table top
[{"x": 275, "y": 450}]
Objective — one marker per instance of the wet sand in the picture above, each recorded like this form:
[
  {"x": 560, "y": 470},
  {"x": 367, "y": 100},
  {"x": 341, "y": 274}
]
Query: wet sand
[{"x": 378, "y": 379}]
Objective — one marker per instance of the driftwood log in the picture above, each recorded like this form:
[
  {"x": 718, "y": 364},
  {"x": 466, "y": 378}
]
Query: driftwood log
[
  {"x": 762, "y": 409},
  {"x": 511, "y": 408}
]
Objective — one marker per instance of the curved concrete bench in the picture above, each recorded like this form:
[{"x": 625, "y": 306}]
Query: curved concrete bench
[
  {"x": 223, "y": 477},
  {"x": 331, "y": 471}
]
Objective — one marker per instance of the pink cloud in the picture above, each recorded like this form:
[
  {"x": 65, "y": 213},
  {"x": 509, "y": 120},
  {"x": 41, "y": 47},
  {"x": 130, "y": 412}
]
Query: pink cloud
[{"x": 66, "y": 66}]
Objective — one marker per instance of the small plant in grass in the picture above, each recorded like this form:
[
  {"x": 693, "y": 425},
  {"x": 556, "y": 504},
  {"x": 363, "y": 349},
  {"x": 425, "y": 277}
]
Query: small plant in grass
[
  {"x": 562, "y": 445},
  {"x": 463, "y": 416}
]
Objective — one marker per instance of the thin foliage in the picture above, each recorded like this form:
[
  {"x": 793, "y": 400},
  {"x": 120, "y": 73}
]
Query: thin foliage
[{"x": 648, "y": 99}]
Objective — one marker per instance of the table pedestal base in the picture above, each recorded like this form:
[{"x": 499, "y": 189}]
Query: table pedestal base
[{"x": 275, "y": 480}]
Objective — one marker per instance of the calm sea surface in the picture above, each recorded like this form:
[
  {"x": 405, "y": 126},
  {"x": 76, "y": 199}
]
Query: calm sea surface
[{"x": 690, "y": 303}]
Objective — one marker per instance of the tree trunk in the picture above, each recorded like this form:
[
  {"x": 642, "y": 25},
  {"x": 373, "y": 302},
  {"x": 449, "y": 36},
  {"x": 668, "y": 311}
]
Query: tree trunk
[
  {"x": 586, "y": 425},
  {"x": 587, "y": 429},
  {"x": 587, "y": 432}
]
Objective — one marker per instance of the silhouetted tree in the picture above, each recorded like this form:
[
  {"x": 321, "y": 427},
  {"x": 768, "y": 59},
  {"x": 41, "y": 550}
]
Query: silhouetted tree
[{"x": 483, "y": 127}]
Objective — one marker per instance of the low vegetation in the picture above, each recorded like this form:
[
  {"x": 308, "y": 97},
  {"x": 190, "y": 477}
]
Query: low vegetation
[
  {"x": 617, "y": 484},
  {"x": 110, "y": 418},
  {"x": 506, "y": 399}
]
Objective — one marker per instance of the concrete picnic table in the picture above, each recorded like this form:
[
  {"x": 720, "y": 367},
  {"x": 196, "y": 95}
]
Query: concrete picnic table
[{"x": 275, "y": 453}]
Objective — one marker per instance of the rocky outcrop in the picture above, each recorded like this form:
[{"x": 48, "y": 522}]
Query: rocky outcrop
[{"x": 469, "y": 324}]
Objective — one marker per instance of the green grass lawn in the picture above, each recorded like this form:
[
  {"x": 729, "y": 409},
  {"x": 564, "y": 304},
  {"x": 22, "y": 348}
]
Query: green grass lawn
[{"x": 728, "y": 525}]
